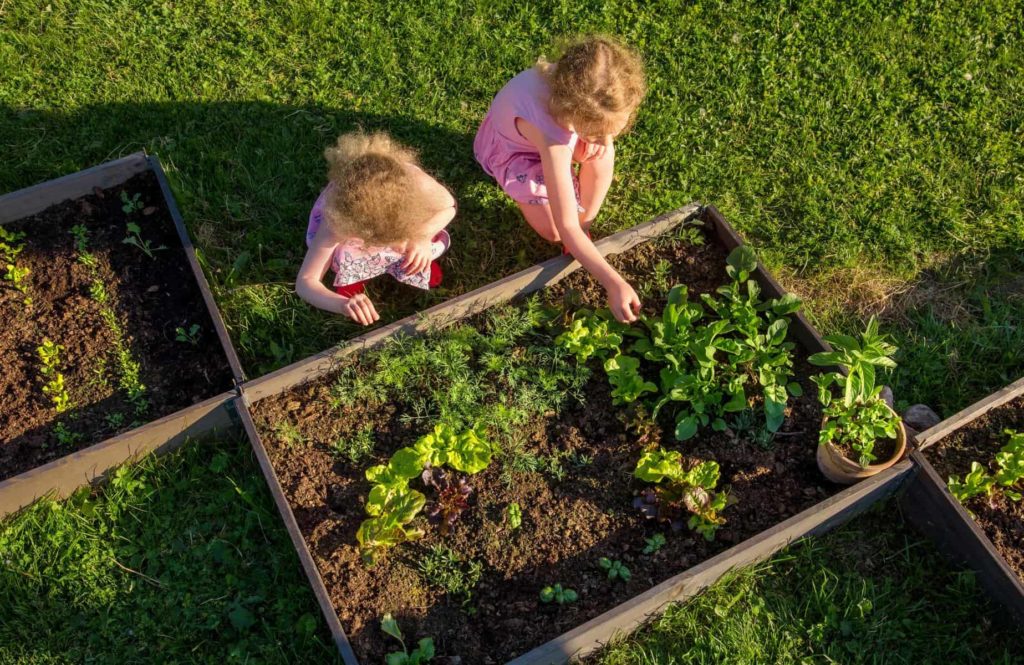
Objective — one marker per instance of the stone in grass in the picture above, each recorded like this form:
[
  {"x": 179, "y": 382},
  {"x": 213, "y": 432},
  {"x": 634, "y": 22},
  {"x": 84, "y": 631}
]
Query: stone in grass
[{"x": 921, "y": 417}]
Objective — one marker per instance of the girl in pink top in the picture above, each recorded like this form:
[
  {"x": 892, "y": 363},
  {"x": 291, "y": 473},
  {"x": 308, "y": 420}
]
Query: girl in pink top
[
  {"x": 379, "y": 214},
  {"x": 551, "y": 117}
]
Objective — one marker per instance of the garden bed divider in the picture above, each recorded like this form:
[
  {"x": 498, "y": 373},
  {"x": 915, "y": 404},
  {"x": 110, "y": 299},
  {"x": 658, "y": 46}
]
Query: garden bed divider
[
  {"x": 932, "y": 510},
  {"x": 627, "y": 616},
  {"x": 61, "y": 477}
]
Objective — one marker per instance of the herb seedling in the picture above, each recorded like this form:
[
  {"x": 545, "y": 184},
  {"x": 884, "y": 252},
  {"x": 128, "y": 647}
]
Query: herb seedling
[
  {"x": 190, "y": 336},
  {"x": 514, "y": 513},
  {"x": 423, "y": 652},
  {"x": 556, "y": 594},
  {"x": 134, "y": 237},
  {"x": 115, "y": 419},
  {"x": 131, "y": 204},
  {"x": 680, "y": 492},
  {"x": 65, "y": 436},
  {"x": 615, "y": 569},
  {"x": 442, "y": 567},
  {"x": 654, "y": 543},
  {"x": 859, "y": 417},
  {"x": 49, "y": 354}
]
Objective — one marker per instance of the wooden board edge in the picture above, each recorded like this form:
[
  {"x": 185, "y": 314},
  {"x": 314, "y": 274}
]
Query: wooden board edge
[
  {"x": 627, "y": 617},
  {"x": 62, "y": 477},
  {"x": 309, "y": 568},
  {"x": 932, "y": 435},
  {"x": 197, "y": 271},
  {"x": 526, "y": 281},
  {"x": 932, "y": 510},
  {"x": 36, "y": 198}
]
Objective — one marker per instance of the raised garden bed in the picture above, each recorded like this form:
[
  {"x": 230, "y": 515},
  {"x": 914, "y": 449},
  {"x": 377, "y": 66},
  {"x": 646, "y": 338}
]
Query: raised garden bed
[
  {"x": 109, "y": 325},
  {"x": 565, "y": 458},
  {"x": 982, "y": 527}
]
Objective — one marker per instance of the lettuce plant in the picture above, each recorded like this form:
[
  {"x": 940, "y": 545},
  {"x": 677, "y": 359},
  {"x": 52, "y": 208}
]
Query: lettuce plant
[
  {"x": 1007, "y": 478},
  {"x": 590, "y": 335},
  {"x": 452, "y": 497},
  {"x": 681, "y": 493},
  {"x": 654, "y": 543},
  {"x": 858, "y": 417},
  {"x": 393, "y": 505},
  {"x": 623, "y": 374}
]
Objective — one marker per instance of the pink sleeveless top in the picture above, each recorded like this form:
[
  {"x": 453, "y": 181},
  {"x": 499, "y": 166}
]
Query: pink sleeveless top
[{"x": 498, "y": 142}]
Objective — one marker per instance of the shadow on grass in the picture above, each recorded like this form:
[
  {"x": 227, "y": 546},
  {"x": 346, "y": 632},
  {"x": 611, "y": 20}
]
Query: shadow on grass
[{"x": 245, "y": 175}]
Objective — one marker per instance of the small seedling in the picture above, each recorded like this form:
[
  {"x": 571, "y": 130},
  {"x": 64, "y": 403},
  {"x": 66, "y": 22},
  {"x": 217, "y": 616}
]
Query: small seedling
[
  {"x": 654, "y": 543},
  {"x": 134, "y": 237},
  {"x": 10, "y": 243},
  {"x": 421, "y": 654},
  {"x": 556, "y": 594},
  {"x": 190, "y": 336},
  {"x": 616, "y": 570},
  {"x": 98, "y": 292},
  {"x": 16, "y": 276},
  {"x": 65, "y": 437},
  {"x": 515, "y": 515},
  {"x": 131, "y": 204},
  {"x": 442, "y": 567},
  {"x": 115, "y": 419},
  {"x": 355, "y": 447},
  {"x": 49, "y": 354}
]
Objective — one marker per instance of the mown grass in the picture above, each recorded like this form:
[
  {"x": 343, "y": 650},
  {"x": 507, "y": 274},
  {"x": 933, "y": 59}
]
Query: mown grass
[
  {"x": 178, "y": 560},
  {"x": 868, "y": 593},
  {"x": 873, "y": 151}
]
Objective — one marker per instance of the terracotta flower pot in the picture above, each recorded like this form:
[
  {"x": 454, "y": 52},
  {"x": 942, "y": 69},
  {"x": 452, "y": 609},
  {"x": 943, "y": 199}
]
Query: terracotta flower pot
[{"x": 839, "y": 468}]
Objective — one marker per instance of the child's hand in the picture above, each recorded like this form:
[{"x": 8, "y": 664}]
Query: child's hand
[
  {"x": 360, "y": 309},
  {"x": 587, "y": 151},
  {"x": 417, "y": 256},
  {"x": 623, "y": 301}
]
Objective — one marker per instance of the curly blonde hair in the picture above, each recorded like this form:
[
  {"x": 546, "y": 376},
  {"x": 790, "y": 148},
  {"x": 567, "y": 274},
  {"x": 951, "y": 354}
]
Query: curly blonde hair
[
  {"x": 374, "y": 197},
  {"x": 596, "y": 80}
]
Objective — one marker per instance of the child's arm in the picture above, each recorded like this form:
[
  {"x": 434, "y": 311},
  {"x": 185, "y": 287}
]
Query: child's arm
[
  {"x": 556, "y": 160},
  {"x": 417, "y": 252},
  {"x": 310, "y": 287}
]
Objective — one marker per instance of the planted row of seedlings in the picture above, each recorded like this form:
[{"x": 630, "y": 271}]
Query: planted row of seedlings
[
  {"x": 982, "y": 463},
  {"x": 541, "y": 459},
  {"x": 104, "y": 325}
]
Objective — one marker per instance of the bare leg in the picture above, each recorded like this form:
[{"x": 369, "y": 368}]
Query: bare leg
[
  {"x": 540, "y": 219},
  {"x": 595, "y": 180}
]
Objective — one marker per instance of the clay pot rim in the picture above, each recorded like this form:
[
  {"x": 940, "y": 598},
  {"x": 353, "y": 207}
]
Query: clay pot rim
[{"x": 901, "y": 446}]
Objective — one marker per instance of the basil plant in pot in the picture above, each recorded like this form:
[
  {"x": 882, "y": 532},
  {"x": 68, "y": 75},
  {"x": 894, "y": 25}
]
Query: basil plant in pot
[{"x": 860, "y": 433}]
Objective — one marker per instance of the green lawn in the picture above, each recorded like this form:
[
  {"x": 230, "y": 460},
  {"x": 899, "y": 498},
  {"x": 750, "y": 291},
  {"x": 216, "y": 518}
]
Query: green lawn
[{"x": 874, "y": 152}]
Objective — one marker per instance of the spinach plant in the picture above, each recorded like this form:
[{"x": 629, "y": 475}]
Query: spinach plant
[
  {"x": 654, "y": 543},
  {"x": 190, "y": 336},
  {"x": 615, "y": 569},
  {"x": 392, "y": 504},
  {"x": 423, "y": 652},
  {"x": 556, "y": 594},
  {"x": 858, "y": 417},
  {"x": 681, "y": 492}
]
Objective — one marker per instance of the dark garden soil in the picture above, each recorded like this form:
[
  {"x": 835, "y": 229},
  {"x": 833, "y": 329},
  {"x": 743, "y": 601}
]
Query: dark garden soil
[
  {"x": 1001, "y": 519},
  {"x": 568, "y": 523},
  {"x": 150, "y": 296}
]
